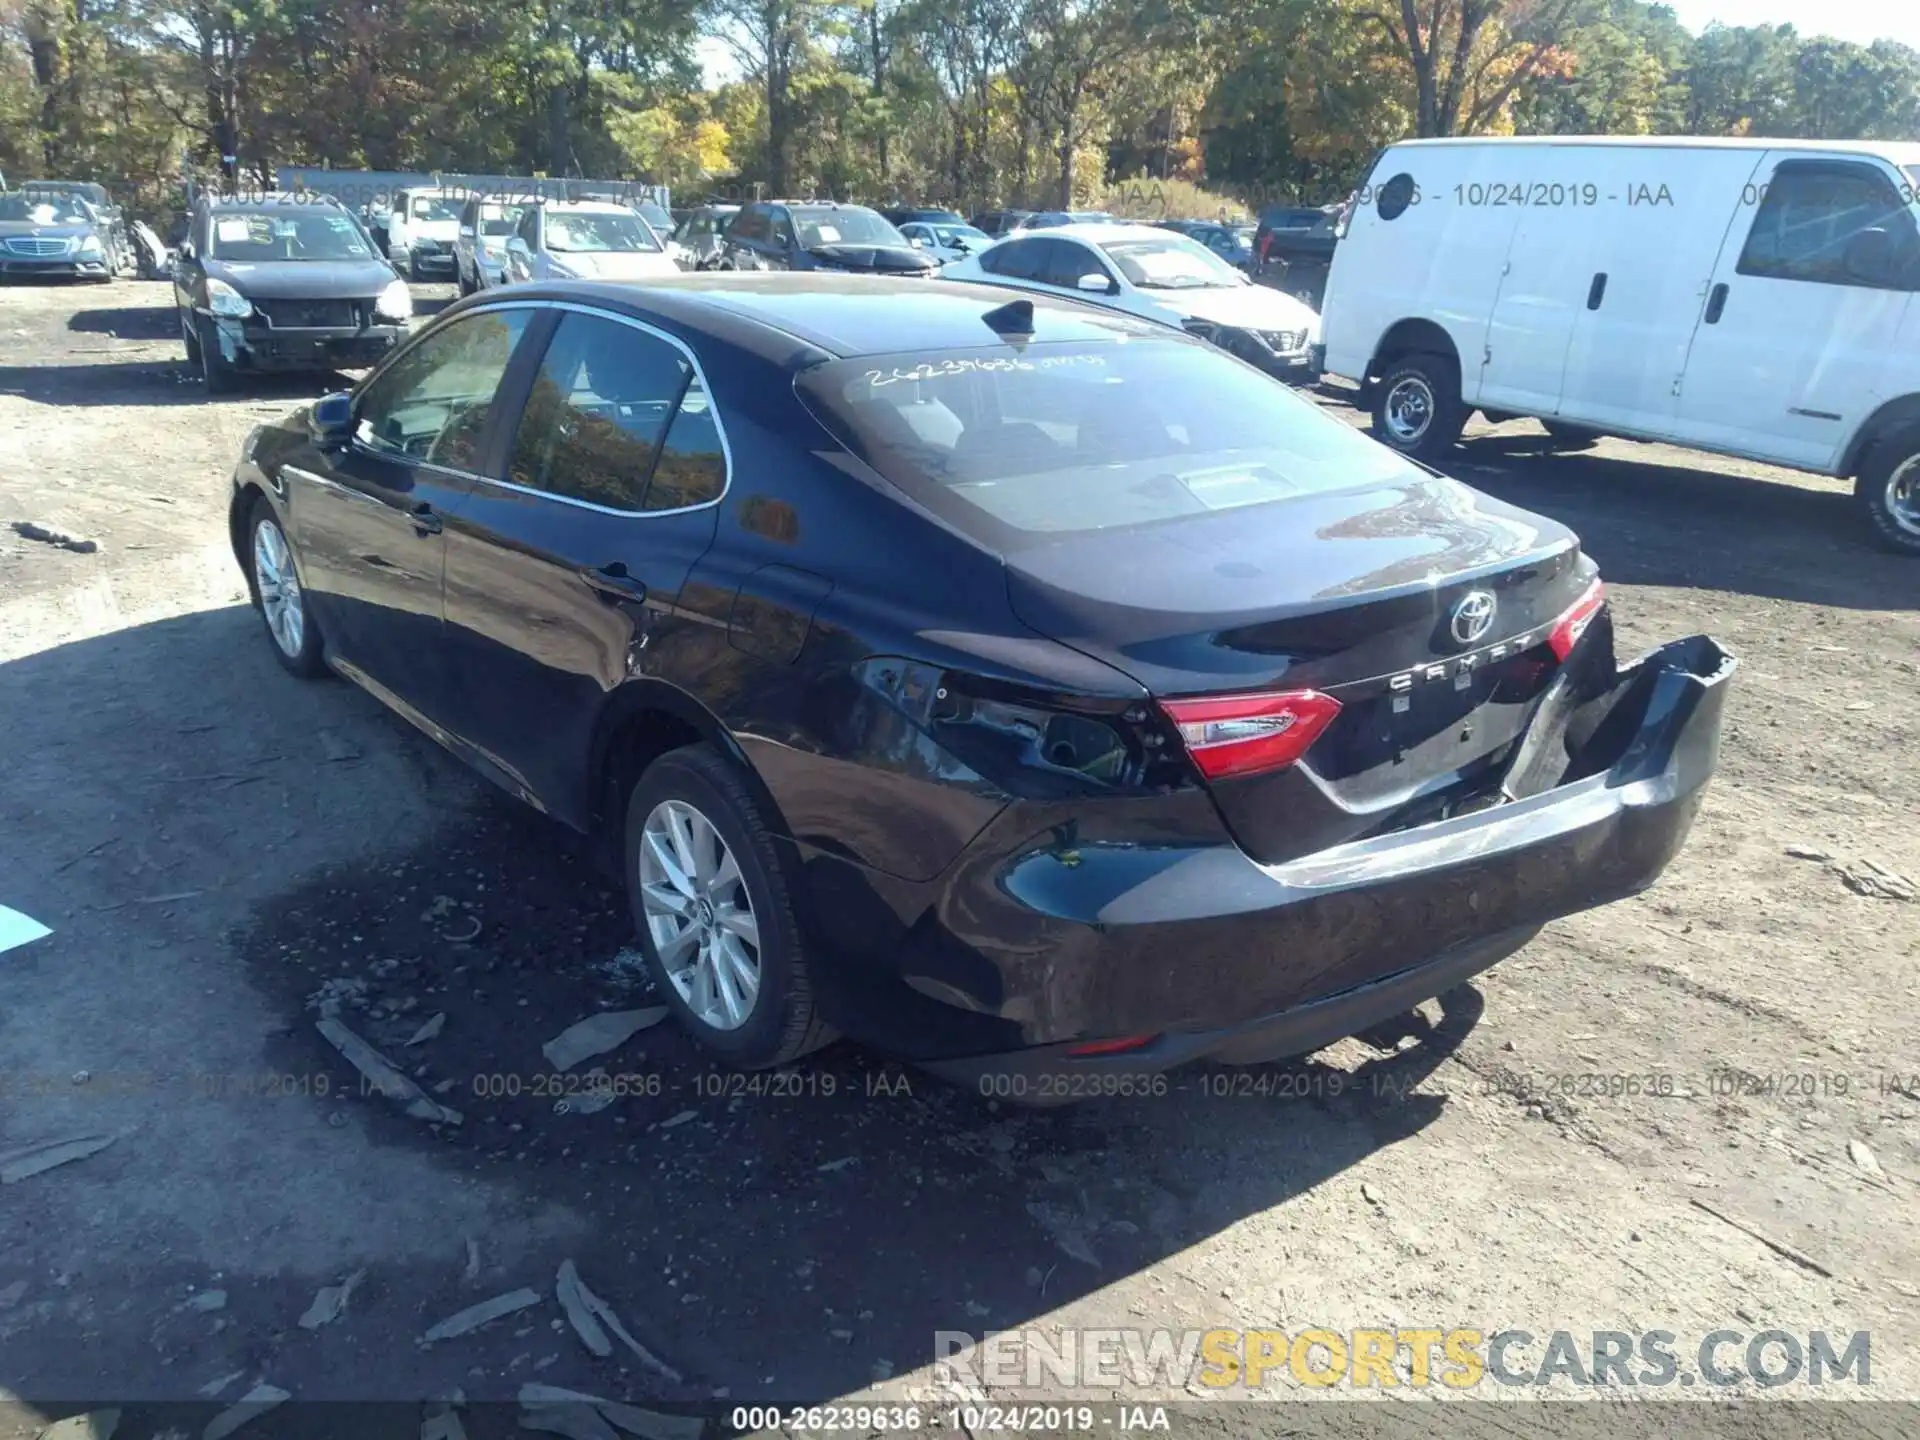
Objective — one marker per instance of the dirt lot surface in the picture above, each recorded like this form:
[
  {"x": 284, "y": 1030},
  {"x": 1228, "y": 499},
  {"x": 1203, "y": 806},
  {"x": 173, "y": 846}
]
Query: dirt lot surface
[{"x": 219, "y": 848}]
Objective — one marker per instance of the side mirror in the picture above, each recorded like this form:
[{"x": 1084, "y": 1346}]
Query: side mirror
[
  {"x": 185, "y": 252},
  {"x": 1094, "y": 284},
  {"x": 517, "y": 246},
  {"x": 331, "y": 419},
  {"x": 466, "y": 232},
  {"x": 1870, "y": 257},
  {"x": 917, "y": 242}
]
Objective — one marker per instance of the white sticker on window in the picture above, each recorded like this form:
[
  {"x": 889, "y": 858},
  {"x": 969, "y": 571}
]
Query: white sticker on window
[
  {"x": 828, "y": 235},
  {"x": 233, "y": 232}
]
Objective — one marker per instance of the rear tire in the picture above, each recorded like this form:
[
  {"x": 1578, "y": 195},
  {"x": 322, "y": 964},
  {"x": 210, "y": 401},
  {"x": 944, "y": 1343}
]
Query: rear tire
[
  {"x": 1887, "y": 489},
  {"x": 734, "y": 916},
  {"x": 1416, "y": 406}
]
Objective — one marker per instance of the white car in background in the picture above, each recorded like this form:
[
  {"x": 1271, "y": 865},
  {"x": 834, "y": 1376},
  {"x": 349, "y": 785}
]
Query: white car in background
[
  {"x": 1159, "y": 275},
  {"x": 480, "y": 252},
  {"x": 585, "y": 240},
  {"x": 944, "y": 242},
  {"x": 421, "y": 230}
]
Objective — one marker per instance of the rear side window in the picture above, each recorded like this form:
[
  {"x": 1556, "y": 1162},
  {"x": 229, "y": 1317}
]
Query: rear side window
[
  {"x": 692, "y": 468},
  {"x": 750, "y": 224},
  {"x": 1813, "y": 211},
  {"x": 599, "y": 405},
  {"x": 1060, "y": 438}
]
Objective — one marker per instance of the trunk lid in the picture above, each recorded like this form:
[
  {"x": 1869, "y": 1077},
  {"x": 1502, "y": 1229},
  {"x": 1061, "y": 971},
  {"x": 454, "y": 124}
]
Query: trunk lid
[{"x": 1363, "y": 594}]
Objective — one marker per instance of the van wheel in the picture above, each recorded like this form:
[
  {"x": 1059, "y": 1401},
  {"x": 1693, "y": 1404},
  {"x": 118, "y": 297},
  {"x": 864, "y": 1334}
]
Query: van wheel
[
  {"x": 1562, "y": 436},
  {"x": 711, "y": 901},
  {"x": 1888, "y": 489},
  {"x": 1416, "y": 405}
]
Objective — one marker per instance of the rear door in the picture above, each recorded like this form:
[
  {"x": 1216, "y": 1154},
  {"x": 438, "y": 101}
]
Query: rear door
[
  {"x": 603, "y": 496},
  {"x": 369, "y": 515},
  {"x": 1794, "y": 337}
]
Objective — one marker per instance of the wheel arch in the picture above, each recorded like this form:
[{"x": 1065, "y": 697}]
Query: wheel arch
[
  {"x": 641, "y": 721},
  {"x": 1407, "y": 337},
  {"x": 1889, "y": 417},
  {"x": 239, "y": 512}
]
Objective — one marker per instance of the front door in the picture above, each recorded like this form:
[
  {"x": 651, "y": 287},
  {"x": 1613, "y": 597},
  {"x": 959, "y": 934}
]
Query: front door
[
  {"x": 1794, "y": 333},
  {"x": 368, "y": 514},
  {"x": 558, "y": 572}
]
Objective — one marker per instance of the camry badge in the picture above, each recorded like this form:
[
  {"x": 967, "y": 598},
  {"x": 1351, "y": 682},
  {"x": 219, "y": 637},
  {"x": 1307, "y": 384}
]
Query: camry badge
[{"x": 1472, "y": 616}]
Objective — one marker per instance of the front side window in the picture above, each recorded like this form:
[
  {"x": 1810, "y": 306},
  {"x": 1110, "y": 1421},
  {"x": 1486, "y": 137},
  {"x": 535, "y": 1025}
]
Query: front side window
[
  {"x": 528, "y": 229},
  {"x": 604, "y": 396},
  {"x": 750, "y": 224},
  {"x": 1814, "y": 212},
  {"x": 433, "y": 402},
  {"x": 1062, "y": 438},
  {"x": 295, "y": 234},
  {"x": 1068, "y": 262},
  {"x": 496, "y": 220},
  {"x": 1017, "y": 259}
]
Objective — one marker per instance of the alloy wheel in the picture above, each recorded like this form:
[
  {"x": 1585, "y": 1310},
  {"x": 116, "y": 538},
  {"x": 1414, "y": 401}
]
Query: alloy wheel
[
  {"x": 1409, "y": 409},
  {"x": 280, "y": 598},
  {"x": 1903, "y": 495},
  {"x": 699, "y": 915}
]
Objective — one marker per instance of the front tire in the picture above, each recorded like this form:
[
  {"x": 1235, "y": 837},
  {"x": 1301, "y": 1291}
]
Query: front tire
[
  {"x": 1887, "y": 490},
  {"x": 215, "y": 374},
  {"x": 1416, "y": 406},
  {"x": 275, "y": 581},
  {"x": 715, "y": 915}
]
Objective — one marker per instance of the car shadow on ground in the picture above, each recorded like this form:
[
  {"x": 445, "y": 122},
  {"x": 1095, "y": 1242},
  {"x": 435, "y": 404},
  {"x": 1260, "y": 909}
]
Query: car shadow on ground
[
  {"x": 792, "y": 1235},
  {"x": 128, "y": 322},
  {"x": 153, "y": 382}
]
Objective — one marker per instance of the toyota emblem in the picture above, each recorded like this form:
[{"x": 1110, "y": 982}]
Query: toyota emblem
[{"x": 1472, "y": 616}]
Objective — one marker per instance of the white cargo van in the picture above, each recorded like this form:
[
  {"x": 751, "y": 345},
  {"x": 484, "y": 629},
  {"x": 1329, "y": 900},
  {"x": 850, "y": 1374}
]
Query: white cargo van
[{"x": 1752, "y": 297}]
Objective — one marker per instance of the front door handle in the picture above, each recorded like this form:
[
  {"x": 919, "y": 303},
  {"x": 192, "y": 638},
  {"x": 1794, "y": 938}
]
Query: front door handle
[
  {"x": 1716, "y": 302},
  {"x": 425, "y": 522},
  {"x": 1597, "y": 291},
  {"x": 615, "y": 585}
]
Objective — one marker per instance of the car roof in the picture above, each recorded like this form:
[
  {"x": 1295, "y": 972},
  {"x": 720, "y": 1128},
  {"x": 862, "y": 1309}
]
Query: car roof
[
  {"x": 1903, "y": 151},
  {"x": 841, "y": 316},
  {"x": 1096, "y": 232},
  {"x": 589, "y": 207}
]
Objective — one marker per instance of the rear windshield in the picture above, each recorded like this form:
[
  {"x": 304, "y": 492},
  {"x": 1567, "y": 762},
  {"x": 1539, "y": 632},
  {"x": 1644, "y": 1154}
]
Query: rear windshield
[{"x": 1056, "y": 439}]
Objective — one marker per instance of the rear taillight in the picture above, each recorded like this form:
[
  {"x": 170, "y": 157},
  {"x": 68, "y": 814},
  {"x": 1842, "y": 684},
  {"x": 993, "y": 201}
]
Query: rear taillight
[
  {"x": 1568, "y": 629},
  {"x": 1244, "y": 734}
]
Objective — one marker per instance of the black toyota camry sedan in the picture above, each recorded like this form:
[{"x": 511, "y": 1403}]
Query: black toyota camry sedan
[{"x": 1028, "y": 690}]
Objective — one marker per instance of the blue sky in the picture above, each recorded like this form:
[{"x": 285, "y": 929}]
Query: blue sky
[{"x": 1862, "y": 21}]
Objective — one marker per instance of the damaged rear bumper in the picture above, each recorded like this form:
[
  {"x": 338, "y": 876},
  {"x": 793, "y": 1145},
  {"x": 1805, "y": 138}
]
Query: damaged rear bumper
[{"x": 1211, "y": 953}]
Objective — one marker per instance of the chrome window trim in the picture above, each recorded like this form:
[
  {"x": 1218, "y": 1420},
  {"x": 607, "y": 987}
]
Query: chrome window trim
[{"x": 719, "y": 424}]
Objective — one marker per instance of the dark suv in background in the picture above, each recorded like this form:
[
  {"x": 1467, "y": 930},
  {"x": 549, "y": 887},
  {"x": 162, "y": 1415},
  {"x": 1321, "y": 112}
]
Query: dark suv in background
[
  {"x": 1293, "y": 249},
  {"x": 283, "y": 282},
  {"x": 819, "y": 235}
]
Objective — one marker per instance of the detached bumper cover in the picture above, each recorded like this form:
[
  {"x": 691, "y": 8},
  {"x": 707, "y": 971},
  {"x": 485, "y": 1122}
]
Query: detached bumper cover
[{"x": 1217, "y": 954}]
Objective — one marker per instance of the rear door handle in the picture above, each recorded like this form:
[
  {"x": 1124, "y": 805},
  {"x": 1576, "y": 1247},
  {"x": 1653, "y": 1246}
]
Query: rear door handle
[
  {"x": 615, "y": 585},
  {"x": 1716, "y": 302},
  {"x": 425, "y": 522},
  {"x": 1597, "y": 291}
]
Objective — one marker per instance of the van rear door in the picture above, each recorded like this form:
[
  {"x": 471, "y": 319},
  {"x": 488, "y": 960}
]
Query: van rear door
[
  {"x": 1795, "y": 335},
  {"x": 1664, "y": 214},
  {"x": 1565, "y": 195}
]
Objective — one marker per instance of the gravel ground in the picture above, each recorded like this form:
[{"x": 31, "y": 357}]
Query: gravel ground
[{"x": 220, "y": 850}]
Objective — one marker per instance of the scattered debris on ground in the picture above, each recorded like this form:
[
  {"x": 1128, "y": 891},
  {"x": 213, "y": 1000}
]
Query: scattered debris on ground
[
  {"x": 30, "y": 1160},
  {"x": 331, "y": 1302},
  {"x": 206, "y": 1302},
  {"x": 53, "y": 535},
  {"x": 384, "y": 1078},
  {"x": 1873, "y": 880},
  {"x": 572, "y": 1413},
  {"x": 587, "y": 1312},
  {"x": 255, "y": 1403},
  {"x": 598, "y": 1034},
  {"x": 474, "y": 1316},
  {"x": 429, "y": 1031}
]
